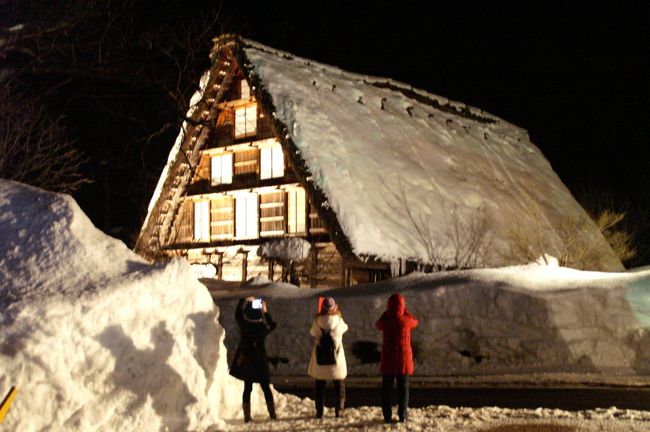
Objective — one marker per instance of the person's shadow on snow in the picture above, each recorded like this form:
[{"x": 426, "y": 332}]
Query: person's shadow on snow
[{"x": 146, "y": 373}]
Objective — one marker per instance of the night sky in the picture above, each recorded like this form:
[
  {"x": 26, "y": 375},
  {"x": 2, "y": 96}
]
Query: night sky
[{"x": 576, "y": 77}]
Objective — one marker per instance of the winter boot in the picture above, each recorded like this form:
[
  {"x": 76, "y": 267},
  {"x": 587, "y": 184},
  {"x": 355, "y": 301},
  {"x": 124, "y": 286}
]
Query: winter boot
[
  {"x": 339, "y": 386},
  {"x": 318, "y": 398},
  {"x": 338, "y": 409},
  {"x": 247, "y": 412},
  {"x": 270, "y": 406}
]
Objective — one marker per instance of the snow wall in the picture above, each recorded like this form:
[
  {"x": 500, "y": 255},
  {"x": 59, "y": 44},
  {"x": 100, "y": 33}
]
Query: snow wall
[
  {"x": 94, "y": 338},
  {"x": 517, "y": 320}
]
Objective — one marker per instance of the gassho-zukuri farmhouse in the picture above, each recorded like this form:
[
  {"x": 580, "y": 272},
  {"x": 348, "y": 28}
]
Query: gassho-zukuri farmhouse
[{"x": 295, "y": 170}]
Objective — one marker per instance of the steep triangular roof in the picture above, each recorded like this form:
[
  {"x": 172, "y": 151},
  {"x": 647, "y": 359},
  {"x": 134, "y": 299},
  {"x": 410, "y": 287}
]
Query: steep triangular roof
[{"x": 400, "y": 173}]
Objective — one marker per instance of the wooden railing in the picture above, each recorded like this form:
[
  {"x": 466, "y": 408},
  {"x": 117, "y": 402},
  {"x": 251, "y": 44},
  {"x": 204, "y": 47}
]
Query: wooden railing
[{"x": 223, "y": 135}]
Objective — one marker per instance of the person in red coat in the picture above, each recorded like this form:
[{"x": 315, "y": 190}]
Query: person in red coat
[{"x": 396, "y": 355}]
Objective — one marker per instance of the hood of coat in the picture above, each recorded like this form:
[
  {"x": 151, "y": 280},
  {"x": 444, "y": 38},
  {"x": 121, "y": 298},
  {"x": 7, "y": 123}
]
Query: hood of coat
[
  {"x": 396, "y": 305},
  {"x": 328, "y": 321}
]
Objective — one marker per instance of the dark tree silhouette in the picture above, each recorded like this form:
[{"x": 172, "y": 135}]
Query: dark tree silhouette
[{"x": 106, "y": 82}]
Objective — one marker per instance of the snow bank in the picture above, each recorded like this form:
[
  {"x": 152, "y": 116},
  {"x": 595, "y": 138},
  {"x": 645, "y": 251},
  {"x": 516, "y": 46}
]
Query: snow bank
[
  {"x": 516, "y": 320},
  {"x": 96, "y": 339},
  {"x": 286, "y": 249}
]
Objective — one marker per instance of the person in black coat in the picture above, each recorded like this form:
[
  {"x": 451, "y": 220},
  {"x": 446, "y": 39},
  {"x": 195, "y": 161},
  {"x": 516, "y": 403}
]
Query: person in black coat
[{"x": 250, "y": 363}]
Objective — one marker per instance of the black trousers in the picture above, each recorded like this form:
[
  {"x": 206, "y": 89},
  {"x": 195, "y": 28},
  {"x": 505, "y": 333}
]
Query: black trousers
[
  {"x": 402, "y": 396},
  {"x": 319, "y": 390},
  {"x": 248, "y": 388}
]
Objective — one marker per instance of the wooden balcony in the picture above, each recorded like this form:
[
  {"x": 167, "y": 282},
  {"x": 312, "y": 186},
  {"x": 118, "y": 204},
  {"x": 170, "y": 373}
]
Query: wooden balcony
[
  {"x": 223, "y": 135},
  {"x": 242, "y": 181}
]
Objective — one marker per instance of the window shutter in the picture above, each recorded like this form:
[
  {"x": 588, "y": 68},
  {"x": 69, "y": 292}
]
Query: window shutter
[
  {"x": 245, "y": 121},
  {"x": 296, "y": 211},
  {"x": 215, "y": 170},
  {"x": 221, "y": 169},
  {"x": 202, "y": 221},
  {"x": 278, "y": 160},
  {"x": 272, "y": 162},
  {"x": 266, "y": 163},
  {"x": 246, "y": 215},
  {"x": 251, "y": 216},
  {"x": 221, "y": 217},
  {"x": 226, "y": 168},
  {"x": 240, "y": 122},
  {"x": 251, "y": 119}
]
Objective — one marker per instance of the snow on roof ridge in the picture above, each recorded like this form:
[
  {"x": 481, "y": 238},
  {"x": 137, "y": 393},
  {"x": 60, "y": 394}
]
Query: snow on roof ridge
[{"x": 437, "y": 101}]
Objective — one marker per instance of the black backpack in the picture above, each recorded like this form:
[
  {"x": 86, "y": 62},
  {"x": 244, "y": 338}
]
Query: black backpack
[{"x": 325, "y": 350}]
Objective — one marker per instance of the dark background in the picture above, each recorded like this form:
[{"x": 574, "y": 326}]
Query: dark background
[
  {"x": 576, "y": 77},
  {"x": 574, "y": 74}
]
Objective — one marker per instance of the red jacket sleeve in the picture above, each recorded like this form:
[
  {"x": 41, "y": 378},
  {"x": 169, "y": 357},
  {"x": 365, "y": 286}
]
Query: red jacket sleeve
[{"x": 412, "y": 322}]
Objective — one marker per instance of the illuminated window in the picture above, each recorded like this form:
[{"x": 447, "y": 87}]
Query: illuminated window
[
  {"x": 271, "y": 162},
  {"x": 272, "y": 213},
  {"x": 245, "y": 121},
  {"x": 296, "y": 215},
  {"x": 221, "y": 169},
  {"x": 246, "y": 161},
  {"x": 245, "y": 90},
  {"x": 202, "y": 221},
  {"x": 246, "y": 215},
  {"x": 221, "y": 217}
]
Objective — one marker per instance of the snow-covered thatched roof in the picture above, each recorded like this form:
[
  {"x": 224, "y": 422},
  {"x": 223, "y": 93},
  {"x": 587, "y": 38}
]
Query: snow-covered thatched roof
[
  {"x": 407, "y": 172},
  {"x": 395, "y": 172}
]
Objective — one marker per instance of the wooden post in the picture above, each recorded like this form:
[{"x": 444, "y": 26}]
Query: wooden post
[
  {"x": 219, "y": 265},
  {"x": 271, "y": 269},
  {"x": 285, "y": 273},
  {"x": 244, "y": 265},
  {"x": 346, "y": 275},
  {"x": 314, "y": 267}
]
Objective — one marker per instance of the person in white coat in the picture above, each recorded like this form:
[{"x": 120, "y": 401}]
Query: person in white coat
[{"x": 329, "y": 320}]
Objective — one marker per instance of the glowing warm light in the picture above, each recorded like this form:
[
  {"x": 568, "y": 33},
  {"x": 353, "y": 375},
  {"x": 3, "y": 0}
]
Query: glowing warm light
[
  {"x": 296, "y": 211},
  {"x": 246, "y": 225},
  {"x": 245, "y": 121},
  {"x": 271, "y": 162},
  {"x": 221, "y": 169},
  {"x": 202, "y": 221}
]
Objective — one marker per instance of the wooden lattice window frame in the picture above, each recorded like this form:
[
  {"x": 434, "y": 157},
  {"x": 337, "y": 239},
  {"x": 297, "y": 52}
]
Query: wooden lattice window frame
[{"x": 273, "y": 214}]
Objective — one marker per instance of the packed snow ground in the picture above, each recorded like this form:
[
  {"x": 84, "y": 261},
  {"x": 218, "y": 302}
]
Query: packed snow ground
[
  {"x": 95, "y": 339},
  {"x": 443, "y": 418}
]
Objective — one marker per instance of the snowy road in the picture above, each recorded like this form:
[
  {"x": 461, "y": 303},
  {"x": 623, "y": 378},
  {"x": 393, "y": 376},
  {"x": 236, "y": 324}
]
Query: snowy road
[
  {"x": 571, "y": 399},
  {"x": 298, "y": 415}
]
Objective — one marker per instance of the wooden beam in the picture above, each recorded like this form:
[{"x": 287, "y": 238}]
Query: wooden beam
[
  {"x": 314, "y": 267},
  {"x": 244, "y": 266}
]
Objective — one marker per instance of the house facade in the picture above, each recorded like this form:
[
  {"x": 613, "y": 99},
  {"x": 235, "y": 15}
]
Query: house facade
[
  {"x": 298, "y": 171},
  {"x": 231, "y": 186}
]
